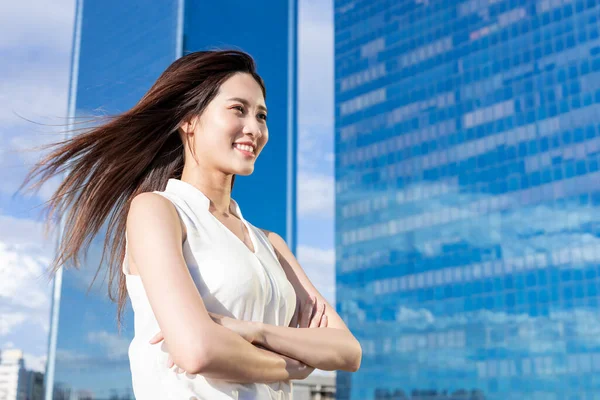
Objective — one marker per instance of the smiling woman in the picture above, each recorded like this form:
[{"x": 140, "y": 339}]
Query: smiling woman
[{"x": 222, "y": 308}]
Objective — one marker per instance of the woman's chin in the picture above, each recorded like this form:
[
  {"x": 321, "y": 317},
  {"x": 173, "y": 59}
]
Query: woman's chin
[{"x": 245, "y": 171}]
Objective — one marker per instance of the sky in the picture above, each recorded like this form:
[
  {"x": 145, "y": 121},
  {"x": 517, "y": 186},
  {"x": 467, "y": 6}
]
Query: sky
[{"x": 35, "y": 38}]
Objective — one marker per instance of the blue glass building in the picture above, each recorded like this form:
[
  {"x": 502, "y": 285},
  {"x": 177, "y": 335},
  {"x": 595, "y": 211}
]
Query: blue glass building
[
  {"x": 119, "y": 50},
  {"x": 467, "y": 197}
]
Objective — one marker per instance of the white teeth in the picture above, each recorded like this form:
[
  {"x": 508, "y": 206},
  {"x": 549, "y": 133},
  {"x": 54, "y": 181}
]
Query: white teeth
[{"x": 244, "y": 147}]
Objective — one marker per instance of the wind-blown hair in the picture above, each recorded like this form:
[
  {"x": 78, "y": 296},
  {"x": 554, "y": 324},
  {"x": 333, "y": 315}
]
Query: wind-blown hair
[{"x": 134, "y": 152}]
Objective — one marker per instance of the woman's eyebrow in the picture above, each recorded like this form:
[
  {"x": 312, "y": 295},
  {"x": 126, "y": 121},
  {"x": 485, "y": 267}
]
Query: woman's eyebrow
[{"x": 246, "y": 103}]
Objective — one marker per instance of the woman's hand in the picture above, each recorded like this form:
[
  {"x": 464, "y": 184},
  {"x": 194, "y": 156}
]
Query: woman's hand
[
  {"x": 249, "y": 330},
  {"x": 297, "y": 369},
  {"x": 159, "y": 338},
  {"x": 309, "y": 314}
]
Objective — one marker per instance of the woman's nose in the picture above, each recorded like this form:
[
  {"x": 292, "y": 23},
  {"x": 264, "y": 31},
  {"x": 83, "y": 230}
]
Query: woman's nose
[{"x": 253, "y": 127}]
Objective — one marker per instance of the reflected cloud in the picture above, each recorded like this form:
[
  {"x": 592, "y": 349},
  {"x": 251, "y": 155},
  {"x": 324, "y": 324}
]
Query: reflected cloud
[
  {"x": 435, "y": 243},
  {"x": 429, "y": 219},
  {"x": 115, "y": 346},
  {"x": 76, "y": 361}
]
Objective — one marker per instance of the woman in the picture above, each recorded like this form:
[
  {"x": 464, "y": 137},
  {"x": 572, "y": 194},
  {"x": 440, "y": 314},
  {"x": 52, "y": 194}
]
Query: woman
[{"x": 212, "y": 294}]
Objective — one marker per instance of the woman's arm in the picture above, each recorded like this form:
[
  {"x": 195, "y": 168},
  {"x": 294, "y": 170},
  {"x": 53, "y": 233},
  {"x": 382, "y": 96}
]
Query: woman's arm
[
  {"x": 195, "y": 342},
  {"x": 333, "y": 348},
  {"x": 303, "y": 317},
  {"x": 273, "y": 337},
  {"x": 327, "y": 349}
]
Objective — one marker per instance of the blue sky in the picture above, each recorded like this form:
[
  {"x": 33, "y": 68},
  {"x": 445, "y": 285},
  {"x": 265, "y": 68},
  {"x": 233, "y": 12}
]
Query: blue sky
[{"x": 35, "y": 39}]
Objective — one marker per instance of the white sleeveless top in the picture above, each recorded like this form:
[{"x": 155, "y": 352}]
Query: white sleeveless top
[{"x": 232, "y": 281}]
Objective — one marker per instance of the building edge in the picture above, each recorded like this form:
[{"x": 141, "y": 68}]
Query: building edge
[{"x": 57, "y": 281}]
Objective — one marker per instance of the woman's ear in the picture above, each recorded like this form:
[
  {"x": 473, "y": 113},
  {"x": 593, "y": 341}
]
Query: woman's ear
[
  {"x": 186, "y": 132},
  {"x": 186, "y": 129},
  {"x": 187, "y": 126}
]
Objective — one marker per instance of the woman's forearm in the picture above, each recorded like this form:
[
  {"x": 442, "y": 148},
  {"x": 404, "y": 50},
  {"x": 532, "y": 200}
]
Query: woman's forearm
[
  {"x": 324, "y": 348},
  {"x": 232, "y": 358}
]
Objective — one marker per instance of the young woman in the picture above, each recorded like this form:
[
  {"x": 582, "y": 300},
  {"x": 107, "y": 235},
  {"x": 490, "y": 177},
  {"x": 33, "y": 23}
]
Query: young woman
[{"x": 222, "y": 309}]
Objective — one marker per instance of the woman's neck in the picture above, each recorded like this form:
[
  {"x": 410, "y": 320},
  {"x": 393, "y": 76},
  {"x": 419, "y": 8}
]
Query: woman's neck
[{"x": 216, "y": 186}]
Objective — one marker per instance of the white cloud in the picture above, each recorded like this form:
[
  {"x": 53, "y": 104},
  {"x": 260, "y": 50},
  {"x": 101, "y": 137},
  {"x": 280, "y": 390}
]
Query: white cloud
[
  {"x": 24, "y": 288},
  {"x": 33, "y": 83},
  {"x": 22, "y": 276},
  {"x": 22, "y": 232},
  {"x": 41, "y": 24},
  {"x": 316, "y": 196},
  {"x": 316, "y": 88},
  {"x": 36, "y": 45},
  {"x": 319, "y": 265},
  {"x": 315, "y": 150},
  {"x": 316, "y": 256},
  {"x": 8, "y": 320},
  {"x": 42, "y": 102},
  {"x": 33, "y": 97},
  {"x": 315, "y": 69},
  {"x": 35, "y": 363}
]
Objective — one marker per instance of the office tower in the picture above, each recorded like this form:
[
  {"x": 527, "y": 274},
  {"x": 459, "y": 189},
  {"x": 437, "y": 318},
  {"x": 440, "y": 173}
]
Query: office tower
[
  {"x": 17, "y": 382},
  {"x": 119, "y": 50},
  {"x": 12, "y": 375},
  {"x": 315, "y": 387},
  {"x": 467, "y": 193}
]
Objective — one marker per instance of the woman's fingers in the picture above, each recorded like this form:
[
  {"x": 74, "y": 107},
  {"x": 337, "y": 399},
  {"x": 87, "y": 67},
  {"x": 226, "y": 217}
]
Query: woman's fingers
[
  {"x": 323, "y": 323},
  {"x": 307, "y": 311},
  {"x": 170, "y": 363},
  {"x": 294, "y": 321},
  {"x": 316, "y": 319},
  {"x": 157, "y": 338},
  {"x": 310, "y": 313}
]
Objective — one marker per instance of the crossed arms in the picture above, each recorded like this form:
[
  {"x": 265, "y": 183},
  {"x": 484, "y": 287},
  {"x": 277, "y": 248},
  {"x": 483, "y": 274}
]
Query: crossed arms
[{"x": 201, "y": 343}]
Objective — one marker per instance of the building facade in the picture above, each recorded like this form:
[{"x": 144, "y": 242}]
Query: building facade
[
  {"x": 318, "y": 386},
  {"x": 119, "y": 50},
  {"x": 467, "y": 193},
  {"x": 12, "y": 375},
  {"x": 17, "y": 382}
]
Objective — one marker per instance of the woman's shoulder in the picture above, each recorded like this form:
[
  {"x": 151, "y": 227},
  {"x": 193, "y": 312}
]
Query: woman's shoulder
[
  {"x": 271, "y": 236},
  {"x": 143, "y": 202},
  {"x": 275, "y": 241},
  {"x": 152, "y": 209}
]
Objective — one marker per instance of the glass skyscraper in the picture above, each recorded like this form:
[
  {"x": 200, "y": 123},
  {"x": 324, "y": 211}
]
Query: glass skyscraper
[
  {"x": 119, "y": 50},
  {"x": 467, "y": 197}
]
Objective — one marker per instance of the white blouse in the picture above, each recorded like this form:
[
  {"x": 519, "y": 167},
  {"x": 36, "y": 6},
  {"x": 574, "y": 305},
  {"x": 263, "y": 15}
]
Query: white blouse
[{"x": 232, "y": 281}]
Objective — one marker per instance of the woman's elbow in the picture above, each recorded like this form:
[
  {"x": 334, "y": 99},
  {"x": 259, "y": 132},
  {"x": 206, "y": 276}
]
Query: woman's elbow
[
  {"x": 354, "y": 363},
  {"x": 348, "y": 359},
  {"x": 193, "y": 360}
]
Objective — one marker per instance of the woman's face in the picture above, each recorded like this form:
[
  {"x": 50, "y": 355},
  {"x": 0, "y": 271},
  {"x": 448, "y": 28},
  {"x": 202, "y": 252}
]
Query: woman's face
[{"x": 232, "y": 130}]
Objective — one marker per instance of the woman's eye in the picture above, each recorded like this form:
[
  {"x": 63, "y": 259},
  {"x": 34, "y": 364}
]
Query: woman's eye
[
  {"x": 263, "y": 116},
  {"x": 240, "y": 108}
]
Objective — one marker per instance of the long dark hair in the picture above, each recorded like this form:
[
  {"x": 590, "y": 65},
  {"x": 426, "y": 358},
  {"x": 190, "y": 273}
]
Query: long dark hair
[{"x": 131, "y": 153}]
